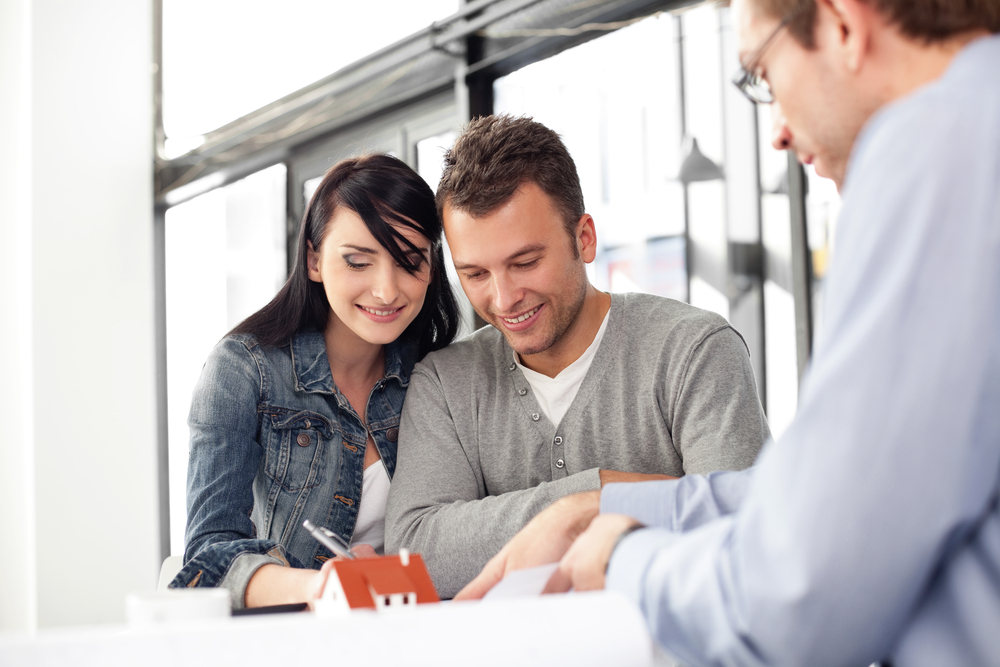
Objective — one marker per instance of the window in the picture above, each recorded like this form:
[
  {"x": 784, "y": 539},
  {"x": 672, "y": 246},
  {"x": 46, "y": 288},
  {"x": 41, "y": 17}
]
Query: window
[
  {"x": 224, "y": 59},
  {"x": 622, "y": 128},
  {"x": 225, "y": 258},
  {"x": 633, "y": 108}
]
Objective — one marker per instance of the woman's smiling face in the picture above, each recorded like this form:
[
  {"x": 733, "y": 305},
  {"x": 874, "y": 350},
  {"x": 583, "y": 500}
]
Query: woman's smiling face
[{"x": 371, "y": 297}]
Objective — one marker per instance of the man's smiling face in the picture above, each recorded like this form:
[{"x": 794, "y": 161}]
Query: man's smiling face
[{"x": 520, "y": 269}]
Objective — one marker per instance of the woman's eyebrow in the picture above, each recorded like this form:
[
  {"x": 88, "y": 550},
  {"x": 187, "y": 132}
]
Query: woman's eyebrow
[{"x": 360, "y": 248}]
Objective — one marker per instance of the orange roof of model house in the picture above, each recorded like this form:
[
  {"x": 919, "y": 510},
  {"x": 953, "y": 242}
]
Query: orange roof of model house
[{"x": 368, "y": 580}]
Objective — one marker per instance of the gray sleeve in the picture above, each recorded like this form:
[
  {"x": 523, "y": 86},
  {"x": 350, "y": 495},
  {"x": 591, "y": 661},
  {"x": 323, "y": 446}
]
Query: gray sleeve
[
  {"x": 718, "y": 422},
  {"x": 439, "y": 505}
]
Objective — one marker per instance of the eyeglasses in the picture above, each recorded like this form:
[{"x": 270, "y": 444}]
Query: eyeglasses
[{"x": 748, "y": 81}]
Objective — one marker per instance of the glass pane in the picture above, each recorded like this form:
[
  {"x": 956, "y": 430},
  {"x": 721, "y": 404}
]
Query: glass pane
[
  {"x": 779, "y": 305},
  {"x": 822, "y": 211},
  {"x": 223, "y": 59},
  {"x": 621, "y": 124},
  {"x": 703, "y": 122},
  {"x": 430, "y": 164},
  {"x": 309, "y": 189},
  {"x": 225, "y": 258},
  {"x": 780, "y": 358},
  {"x": 430, "y": 156}
]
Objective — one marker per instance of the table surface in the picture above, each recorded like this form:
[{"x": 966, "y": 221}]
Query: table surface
[{"x": 579, "y": 629}]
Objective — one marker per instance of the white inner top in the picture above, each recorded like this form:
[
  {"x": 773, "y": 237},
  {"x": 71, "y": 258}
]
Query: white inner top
[
  {"x": 555, "y": 395},
  {"x": 370, "y": 528}
]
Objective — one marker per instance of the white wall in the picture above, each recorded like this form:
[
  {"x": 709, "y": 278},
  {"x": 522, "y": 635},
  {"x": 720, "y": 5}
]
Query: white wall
[
  {"x": 16, "y": 477},
  {"x": 78, "y": 436}
]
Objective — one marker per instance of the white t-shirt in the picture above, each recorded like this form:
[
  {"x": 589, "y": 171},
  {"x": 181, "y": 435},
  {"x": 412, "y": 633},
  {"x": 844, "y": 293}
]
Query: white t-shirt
[
  {"x": 555, "y": 395},
  {"x": 370, "y": 527}
]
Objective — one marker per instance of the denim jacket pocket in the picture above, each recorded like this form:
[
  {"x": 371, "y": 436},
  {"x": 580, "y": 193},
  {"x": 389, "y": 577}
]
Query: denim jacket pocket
[{"x": 295, "y": 442}]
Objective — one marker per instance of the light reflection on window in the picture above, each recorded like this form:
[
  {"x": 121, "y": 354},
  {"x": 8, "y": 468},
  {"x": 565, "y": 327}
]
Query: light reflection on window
[
  {"x": 621, "y": 124},
  {"x": 225, "y": 258},
  {"x": 223, "y": 59}
]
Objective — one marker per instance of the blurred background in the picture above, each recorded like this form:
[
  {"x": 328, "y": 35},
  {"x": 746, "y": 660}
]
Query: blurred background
[{"x": 158, "y": 157}]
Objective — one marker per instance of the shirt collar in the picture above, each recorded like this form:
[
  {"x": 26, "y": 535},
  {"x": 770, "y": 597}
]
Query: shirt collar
[{"x": 312, "y": 367}]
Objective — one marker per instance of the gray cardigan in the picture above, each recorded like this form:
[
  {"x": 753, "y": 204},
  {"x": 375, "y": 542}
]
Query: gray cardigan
[{"x": 670, "y": 390}]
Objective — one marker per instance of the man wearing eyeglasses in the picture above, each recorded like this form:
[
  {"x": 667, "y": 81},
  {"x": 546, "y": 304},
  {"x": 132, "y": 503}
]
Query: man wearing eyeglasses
[{"x": 871, "y": 530}]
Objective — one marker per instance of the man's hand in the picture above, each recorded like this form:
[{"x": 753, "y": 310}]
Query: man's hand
[
  {"x": 584, "y": 566},
  {"x": 615, "y": 476},
  {"x": 544, "y": 540}
]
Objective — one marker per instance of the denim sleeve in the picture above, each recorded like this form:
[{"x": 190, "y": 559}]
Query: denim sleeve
[{"x": 221, "y": 545}]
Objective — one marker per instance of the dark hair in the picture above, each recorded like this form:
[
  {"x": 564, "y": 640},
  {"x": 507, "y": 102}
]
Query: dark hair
[
  {"x": 384, "y": 192},
  {"x": 928, "y": 20},
  {"x": 496, "y": 154}
]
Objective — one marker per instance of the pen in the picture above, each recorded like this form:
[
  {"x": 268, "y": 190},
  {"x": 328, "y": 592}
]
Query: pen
[{"x": 328, "y": 539}]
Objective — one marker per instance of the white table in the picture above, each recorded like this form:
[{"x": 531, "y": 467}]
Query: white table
[{"x": 578, "y": 629}]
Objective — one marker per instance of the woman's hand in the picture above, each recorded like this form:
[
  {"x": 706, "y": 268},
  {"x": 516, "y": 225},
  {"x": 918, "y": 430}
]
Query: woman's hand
[
  {"x": 363, "y": 551},
  {"x": 276, "y": 584},
  {"x": 317, "y": 585}
]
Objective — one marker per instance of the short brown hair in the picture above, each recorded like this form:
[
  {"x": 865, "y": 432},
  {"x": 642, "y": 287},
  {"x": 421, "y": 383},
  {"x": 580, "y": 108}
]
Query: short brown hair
[
  {"x": 497, "y": 154},
  {"x": 929, "y": 20}
]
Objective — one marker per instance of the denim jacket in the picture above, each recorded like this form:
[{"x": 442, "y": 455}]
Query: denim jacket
[{"x": 274, "y": 442}]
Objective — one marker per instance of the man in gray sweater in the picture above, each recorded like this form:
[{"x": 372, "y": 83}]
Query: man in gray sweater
[{"x": 570, "y": 388}]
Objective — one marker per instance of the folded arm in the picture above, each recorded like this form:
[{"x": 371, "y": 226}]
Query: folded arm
[{"x": 439, "y": 505}]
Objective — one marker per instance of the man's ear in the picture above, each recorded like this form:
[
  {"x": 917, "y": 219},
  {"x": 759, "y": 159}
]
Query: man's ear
[
  {"x": 848, "y": 28},
  {"x": 312, "y": 263},
  {"x": 586, "y": 238}
]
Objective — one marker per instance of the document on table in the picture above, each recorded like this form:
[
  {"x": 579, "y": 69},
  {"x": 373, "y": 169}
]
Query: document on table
[{"x": 522, "y": 583}]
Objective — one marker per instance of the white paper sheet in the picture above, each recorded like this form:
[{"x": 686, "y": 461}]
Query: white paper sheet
[{"x": 522, "y": 583}]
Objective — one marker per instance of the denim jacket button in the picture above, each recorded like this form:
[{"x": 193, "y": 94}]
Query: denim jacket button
[
  {"x": 304, "y": 440},
  {"x": 392, "y": 434}
]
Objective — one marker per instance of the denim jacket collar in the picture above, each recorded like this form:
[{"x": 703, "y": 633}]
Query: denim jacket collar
[{"x": 312, "y": 368}]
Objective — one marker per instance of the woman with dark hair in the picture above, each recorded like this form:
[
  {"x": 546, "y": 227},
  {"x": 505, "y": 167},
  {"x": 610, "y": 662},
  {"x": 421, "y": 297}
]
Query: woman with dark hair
[{"x": 296, "y": 413}]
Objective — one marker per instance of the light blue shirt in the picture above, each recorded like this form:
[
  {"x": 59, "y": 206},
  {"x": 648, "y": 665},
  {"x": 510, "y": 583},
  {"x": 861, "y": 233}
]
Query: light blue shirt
[{"x": 871, "y": 529}]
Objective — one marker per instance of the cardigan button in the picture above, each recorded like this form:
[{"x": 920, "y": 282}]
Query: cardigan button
[
  {"x": 392, "y": 434},
  {"x": 512, "y": 366},
  {"x": 304, "y": 440},
  {"x": 535, "y": 417},
  {"x": 557, "y": 440},
  {"x": 522, "y": 392},
  {"x": 560, "y": 464}
]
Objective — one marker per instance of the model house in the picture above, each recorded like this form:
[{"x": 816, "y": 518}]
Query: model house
[{"x": 386, "y": 582}]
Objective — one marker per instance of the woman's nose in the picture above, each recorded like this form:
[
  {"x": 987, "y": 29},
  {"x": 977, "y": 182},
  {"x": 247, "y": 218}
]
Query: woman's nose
[{"x": 386, "y": 287}]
